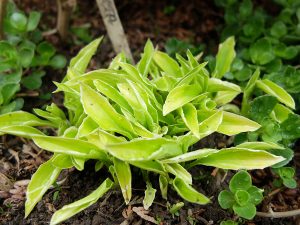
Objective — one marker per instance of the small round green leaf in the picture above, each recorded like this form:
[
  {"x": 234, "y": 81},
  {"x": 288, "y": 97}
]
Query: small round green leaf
[
  {"x": 247, "y": 211},
  {"x": 18, "y": 21},
  {"x": 256, "y": 195},
  {"x": 240, "y": 181},
  {"x": 58, "y": 62},
  {"x": 261, "y": 52},
  {"x": 278, "y": 29},
  {"x": 241, "y": 197},
  {"x": 226, "y": 199},
  {"x": 290, "y": 183}
]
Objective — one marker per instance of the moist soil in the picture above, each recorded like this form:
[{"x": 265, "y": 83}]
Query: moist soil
[{"x": 197, "y": 22}]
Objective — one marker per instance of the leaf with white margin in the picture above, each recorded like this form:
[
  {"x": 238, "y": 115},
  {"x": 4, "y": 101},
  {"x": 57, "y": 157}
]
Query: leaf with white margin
[
  {"x": 103, "y": 113},
  {"x": 275, "y": 90},
  {"x": 180, "y": 96},
  {"x": 70, "y": 210},
  {"x": 40, "y": 182},
  {"x": 177, "y": 170},
  {"x": 144, "y": 149},
  {"x": 239, "y": 158},
  {"x": 189, "y": 156},
  {"x": 233, "y": 124},
  {"x": 260, "y": 145},
  {"x": 189, "y": 116},
  {"x": 123, "y": 173},
  {"x": 188, "y": 193}
]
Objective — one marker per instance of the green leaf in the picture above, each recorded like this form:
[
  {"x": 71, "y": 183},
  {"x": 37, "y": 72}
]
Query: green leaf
[
  {"x": 278, "y": 29},
  {"x": 167, "y": 64},
  {"x": 82, "y": 59},
  {"x": 240, "y": 181},
  {"x": 215, "y": 85},
  {"x": 280, "y": 113},
  {"x": 256, "y": 195},
  {"x": 273, "y": 89},
  {"x": 21, "y": 131},
  {"x": 226, "y": 199},
  {"x": 233, "y": 124},
  {"x": 62, "y": 161},
  {"x": 33, "y": 20},
  {"x": 188, "y": 193},
  {"x": 22, "y": 118},
  {"x": 247, "y": 211},
  {"x": 261, "y": 52},
  {"x": 102, "y": 112},
  {"x": 70, "y": 146},
  {"x": 154, "y": 166},
  {"x": 144, "y": 149},
  {"x": 241, "y": 197},
  {"x": 177, "y": 170},
  {"x": 163, "y": 185},
  {"x": 133, "y": 94},
  {"x": 46, "y": 50},
  {"x": 224, "y": 58},
  {"x": 250, "y": 86},
  {"x": 245, "y": 9},
  {"x": 149, "y": 196},
  {"x": 260, "y": 145},
  {"x": 224, "y": 97},
  {"x": 58, "y": 62},
  {"x": 26, "y": 53},
  {"x": 123, "y": 173},
  {"x": 18, "y": 21},
  {"x": 239, "y": 158},
  {"x": 113, "y": 94},
  {"x": 34, "y": 80},
  {"x": 70, "y": 210},
  {"x": 87, "y": 127},
  {"x": 210, "y": 124},
  {"x": 290, "y": 127},
  {"x": 197, "y": 154},
  {"x": 40, "y": 182},
  {"x": 261, "y": 107},
  {"x": 180, "y": 96},
  {"x": 144, "y": 63},
  {"x": 189, "y": 116},
  {"x": 290, "y": 183}
]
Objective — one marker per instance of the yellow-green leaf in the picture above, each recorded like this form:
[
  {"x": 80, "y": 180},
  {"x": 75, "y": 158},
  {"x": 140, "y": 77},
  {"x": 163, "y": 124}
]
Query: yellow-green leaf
[
  {"x": 103, "y": 113},
  {"x": 234, "y": 124},
  {"x": 224, "y": 58},
  {"x": 40, "y": 182},
  {"x": 188, "y": 193},
  {"x": 273, "y": 89},
  {"x": 240, "y": 158},
  {"x": 180, "y": 96},
  {"x": 123, "y": 173},
  {"x": 70, "y": 210},
  {"x": 189, "y": 116}
]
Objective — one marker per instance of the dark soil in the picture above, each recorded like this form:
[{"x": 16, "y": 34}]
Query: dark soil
[{"x": 197, "y": 22}]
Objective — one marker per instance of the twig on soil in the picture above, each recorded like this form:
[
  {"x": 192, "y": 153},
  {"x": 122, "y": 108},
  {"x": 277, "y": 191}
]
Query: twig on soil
[
  {"x": 274, "y": 192},
  {"x": 49, "y": 32},
  {"x": 272, "y": 214},
  {"x": 28, "y": 94}
]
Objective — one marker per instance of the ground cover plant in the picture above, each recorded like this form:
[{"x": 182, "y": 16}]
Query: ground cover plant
[
  {"x": 23, "y": 56},
  {"x": 268, "y": 42},
  {"x": 147, "y": 116}
]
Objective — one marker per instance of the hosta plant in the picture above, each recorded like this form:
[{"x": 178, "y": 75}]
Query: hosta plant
[
  {"x": 23, "y": 56},
  {"x": 242, "y": 196},
  {"x": 147, "y": 116}
]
